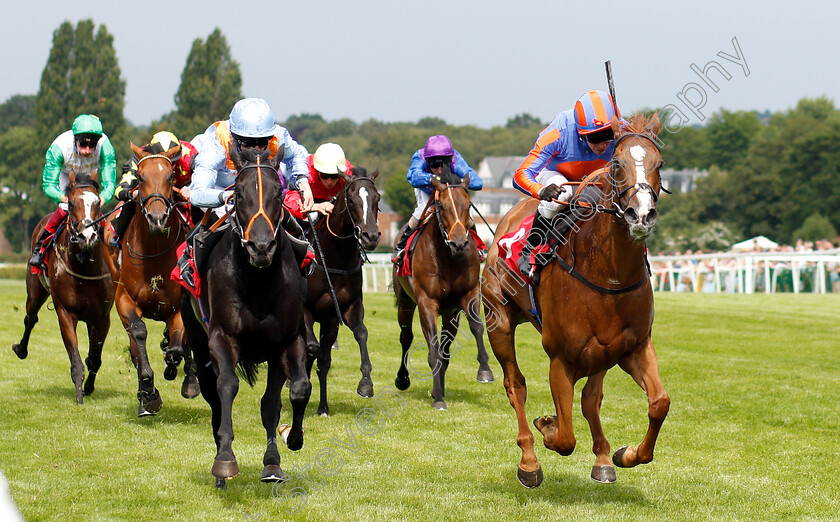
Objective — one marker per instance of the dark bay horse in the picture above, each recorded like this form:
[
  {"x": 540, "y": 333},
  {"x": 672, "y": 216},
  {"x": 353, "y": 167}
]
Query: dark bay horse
[
  {"x": 145, "y": 288},
  {"x": 444, "y": 281},
  {"x": 79, "y": 281},
  {"x": 251, "y": 312},
  {"x": 342, "y": 234},
  {"x": 593, "y": 317}
]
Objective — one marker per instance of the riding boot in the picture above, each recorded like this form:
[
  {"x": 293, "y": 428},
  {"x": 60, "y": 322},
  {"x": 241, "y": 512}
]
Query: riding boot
[
  {"x": 300, "y": 246},
  {"x": 482, "y": 247},
  {"x": 37, "y": 259},
  {"x": 121, "y": 222},
  {"x": 536, "y": 237},
  {"x": 399, "y": 249}
]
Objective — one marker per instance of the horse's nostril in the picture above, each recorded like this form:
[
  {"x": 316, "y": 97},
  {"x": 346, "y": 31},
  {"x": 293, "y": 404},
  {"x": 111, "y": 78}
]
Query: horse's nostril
[
  {"x": 630, "y": 215},
  {"x": 651, "y": 217}
]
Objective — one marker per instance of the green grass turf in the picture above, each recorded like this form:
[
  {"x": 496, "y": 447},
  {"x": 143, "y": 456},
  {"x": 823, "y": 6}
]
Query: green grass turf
[{"x": 752, "y": 432}]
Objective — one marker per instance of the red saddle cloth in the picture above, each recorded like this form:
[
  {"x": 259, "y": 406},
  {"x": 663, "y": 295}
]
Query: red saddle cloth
[
  {"x": 405, "y": 267},
  {"x": 175, "y": 275},
  {"x": 511, "y": 244}
]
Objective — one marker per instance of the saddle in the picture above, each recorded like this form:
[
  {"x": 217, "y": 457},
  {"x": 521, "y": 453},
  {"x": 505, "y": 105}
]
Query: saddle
[
  {"x": 46, "y": 247},
  {"x": 405, "y": 265}
]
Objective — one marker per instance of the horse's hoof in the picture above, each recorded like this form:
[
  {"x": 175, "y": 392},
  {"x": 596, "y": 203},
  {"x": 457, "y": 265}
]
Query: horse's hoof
[
  {"x": 485, "y": 376},
  {"x": 20, "y": 351},
  {"x": 293, "y": 442},
  {"x": 190, "y": 390},
  {"x": 170, "y": 372},
  {"x": 439, "y": 405},
  {"x": 273, "y": 473},
  {"x": 225, "y": 469},
  {"x": 88, "y": 389},
  {"x": 324, "y": 412},
  {"x": 221, "y": 483},
  {"x": 401, "y": 383},
  {"x": 365, "y": 388},
  {"x": 149, "y": 406},
  {"x": 618, "y": 457},
  {"x": 283, "y": 430},
  {"x": 603, "y": 474},
  {"x": 530, "y": 479}
]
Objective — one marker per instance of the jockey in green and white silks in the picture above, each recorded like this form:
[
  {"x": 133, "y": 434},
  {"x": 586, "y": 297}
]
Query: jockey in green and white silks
[{"x": 81, "y": 149}]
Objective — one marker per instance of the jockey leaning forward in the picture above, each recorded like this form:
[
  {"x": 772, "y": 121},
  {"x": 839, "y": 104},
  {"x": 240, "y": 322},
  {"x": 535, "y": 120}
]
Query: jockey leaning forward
[
  {"x": 251, "y": 125},
  {"x": 182, "y": 166},
  {"x": 323, "y": 169},
  {"x": 82, "y": 149},
  {"x": 426, "y": 162},
  {"x": 575, "y": 143}
]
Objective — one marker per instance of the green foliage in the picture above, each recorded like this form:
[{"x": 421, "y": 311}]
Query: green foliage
[
  {"x": 81, "y": 76},
  {"x": 400, "y": 194},
  {"x": 730, "y": 135},
  {"x": 524, "y": 120},
  {"x": 17, "y": 111},
  {"x": 210, "y": 85},
  {"x": 22, "y": 202},
  {"x": 816, "y": 227}
]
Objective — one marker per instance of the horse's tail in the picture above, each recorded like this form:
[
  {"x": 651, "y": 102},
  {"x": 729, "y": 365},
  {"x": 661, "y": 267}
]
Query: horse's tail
[{"x": 248, "y": 370}]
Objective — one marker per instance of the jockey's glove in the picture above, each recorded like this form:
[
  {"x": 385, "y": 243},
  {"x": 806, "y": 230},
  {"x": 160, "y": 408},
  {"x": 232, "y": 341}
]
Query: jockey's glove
[{"x": 550, "y": 192}]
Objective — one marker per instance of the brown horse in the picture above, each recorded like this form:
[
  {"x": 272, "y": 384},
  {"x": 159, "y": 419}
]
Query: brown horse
[
  {"x": 79, "y": 281},
  {"x": 251, "y": 294},
  {"x": 444, "y": 281},
  {"x": 342, "y": 235},
  {"x": 597, "y": 309},
  {"x": 145, "y": 288}
]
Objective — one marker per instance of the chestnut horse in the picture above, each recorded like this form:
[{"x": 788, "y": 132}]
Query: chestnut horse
[
  {"x": 145, "y": 288},
  {"x": 444, "y": 281},
  {"x": 79, "y": 281},
  {"x": 596, "y": 309},
  {"x": 342, "y": 236},
  {"x": 252, "y": 294}
]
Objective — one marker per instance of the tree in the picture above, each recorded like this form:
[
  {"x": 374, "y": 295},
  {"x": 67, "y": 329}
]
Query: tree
[
  {"x": 730, "y": 135},
  {"x": 81, "y": 76},
  {"x": 17, "y": 111},
  {"x": 210, "y": 85},
  {"x": 400, "y": 195},
  {"x": 22, "y": 201},
  {"x": 816, "y": 227},
  {"x": 524, "y": 120}
]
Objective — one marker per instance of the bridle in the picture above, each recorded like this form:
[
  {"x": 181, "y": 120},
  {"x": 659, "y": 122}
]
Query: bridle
[
  {"x": 616, "y": 195},
  {"x": 244, "y": 233},
  {"x": 438, "y": 203},
  {"x": 357, "y": 230},
  {"x": 73, "y": 231},
  {"x": 156, "y": 195}
]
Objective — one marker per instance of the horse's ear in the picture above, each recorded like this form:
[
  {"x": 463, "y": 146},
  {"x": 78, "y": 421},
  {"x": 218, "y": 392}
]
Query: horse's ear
[
  {"x": 137, "y": 150},
  {"x": 654, "y": 124},
  {"x": 173, "y": 151},
  {"x": 72, "y": 177},
  {"x": 94, "y": 174},
  {"x": 466, "y": 181},
  {"x": 437, "y": 182},
  {"x": 344, "y": 176},
  {"x": 615, "y": 125},
  {"x": 374, "y": 174},
  {"x": 275, "y": 161},
  {"x": 234, "y": 156}
]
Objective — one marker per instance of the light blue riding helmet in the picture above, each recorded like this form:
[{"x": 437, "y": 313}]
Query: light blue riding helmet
[{"x": 252, "y": 118}]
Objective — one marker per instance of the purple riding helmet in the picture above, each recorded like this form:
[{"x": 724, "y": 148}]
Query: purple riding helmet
[{"x": 439, "y": 146}]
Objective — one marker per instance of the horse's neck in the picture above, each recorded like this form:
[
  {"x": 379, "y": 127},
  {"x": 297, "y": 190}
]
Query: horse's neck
[
  {"x": 603, "y": 243},
  {"x": 94, "y": 262}
]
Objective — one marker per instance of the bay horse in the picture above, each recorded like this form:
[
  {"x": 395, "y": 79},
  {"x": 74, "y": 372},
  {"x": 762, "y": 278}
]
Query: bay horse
[
  {"x": 250, "y": 311},
  {"x": 145, "y": 288},
  {"x": 79, "y": 280},
  {"x": 596, "y": 310},
  {"x": 444, "y": 281},
  {"x": 342, "y": 236}
]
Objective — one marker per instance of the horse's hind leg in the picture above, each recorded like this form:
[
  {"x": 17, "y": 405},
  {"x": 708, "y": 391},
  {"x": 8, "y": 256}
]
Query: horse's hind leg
[
  {"x": 36, "y": 296},
  {"x": 294, "y": 365},
  {"x": 67, "y": 323},
  {"x": 177, "y": 349},
  {"x": 470, "y": 305},
  {"x": 405, "y": 316},
  {"x": 270, "y": 413},
  {"x": 354, "y": 317},
  {"x": 590, "y": 404},
  {"x": 97, "y": 333},
  {"x": 329, "y": 332},
  {"x": 643, "y": 367}
]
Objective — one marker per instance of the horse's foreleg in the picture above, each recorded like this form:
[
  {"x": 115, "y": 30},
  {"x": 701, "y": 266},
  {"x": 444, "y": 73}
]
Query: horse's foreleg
[
  {"x": 428, "y": 309},
  {"x": 502, "y": 337},
  {"x": 405, "y": 317},
  {"x": 558, "y": 432},
  {"x": 329, "y": 333},
  {"x": 130, "y": 315},
  {"x": 36, "y": 296},
  {"x": 224, "y": 351},
  {"x": 97, "y": 333},
  {"x": 67, "y": 323},
  {"x": 294, "y": 365},
  {"x": 590, "y": 404},
  {"x": 270, "y": 412},
  {"x": 470, "y": 305},
  {"x": 310, "y": 340},
  {"x": 354, "y": 318},
  {"x": 174, "y": 346},
  {"x": 643, "y": 367}
]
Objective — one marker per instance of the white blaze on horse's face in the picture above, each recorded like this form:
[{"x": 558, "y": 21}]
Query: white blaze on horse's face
[
  {"x": 89, "y": 199},
  {"x": 363, "y": 194},
  {"x": 643, "y": 194}
]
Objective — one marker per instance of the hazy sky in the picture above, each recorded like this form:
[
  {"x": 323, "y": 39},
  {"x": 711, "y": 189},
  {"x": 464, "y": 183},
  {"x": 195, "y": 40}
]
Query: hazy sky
[{"x": 467, "y": 62}]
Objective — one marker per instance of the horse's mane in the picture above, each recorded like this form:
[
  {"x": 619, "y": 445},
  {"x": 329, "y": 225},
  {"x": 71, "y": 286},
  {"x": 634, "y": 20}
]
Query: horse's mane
[
  {"x": 82, "y": 181},
  {"x": 250, "y": 155},
  {"x": 359, "y": 172},
  {"x": 642, "y": 124},
  {"x": 449, "y": 177}
]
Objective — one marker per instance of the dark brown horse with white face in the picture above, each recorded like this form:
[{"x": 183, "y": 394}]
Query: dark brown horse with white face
[
  {"x": 343, "y": 234},
  {"x": 145, "y": 289},
  {"x": 597, "y": 310},
  {"x": 251, "y": 312},
  {"x": 79, "y": 281},
  {"x": 444, "y": 281}
]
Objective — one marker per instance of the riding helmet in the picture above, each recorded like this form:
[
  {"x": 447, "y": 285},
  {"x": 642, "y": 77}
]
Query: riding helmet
[
  {"x": 594, "y": 112},
  {"x": 329, "y": 158},
  {"x": 252, "y": 118}
]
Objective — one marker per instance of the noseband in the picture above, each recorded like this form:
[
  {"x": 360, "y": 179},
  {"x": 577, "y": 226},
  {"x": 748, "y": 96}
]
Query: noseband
[
  {"x": 438, "y": 203},
  {"x": 72, "y": 224},
  {"x": 156, "y": 195},
  {"x": 617, "y": 194},
  {"x": 245, "y": 232},
  {"x": 357, "y": 230}
]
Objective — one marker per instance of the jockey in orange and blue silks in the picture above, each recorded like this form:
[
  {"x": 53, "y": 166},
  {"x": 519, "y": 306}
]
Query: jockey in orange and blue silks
[{"x": 575, "y": 143}]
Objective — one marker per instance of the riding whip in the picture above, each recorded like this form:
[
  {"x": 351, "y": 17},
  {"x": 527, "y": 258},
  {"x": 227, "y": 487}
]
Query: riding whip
[
  {"x": 326, "y": 270},
  {"x": 608, "y": 66}
]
